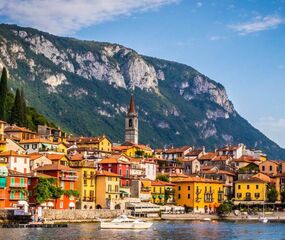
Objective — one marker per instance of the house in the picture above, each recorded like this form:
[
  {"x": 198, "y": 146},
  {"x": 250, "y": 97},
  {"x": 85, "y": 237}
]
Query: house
[
  {"x": 19, "y": 133},
  {"x": 39, "y": 145},
  {"x": 16, "y": 161},
  {"x": 12, "y": 145},
  {"x": 107, "y": 190},
  {"x": 56, "y": 158},
  {"x": 270, "y": 167},
  {"x": 190, "y": 165},
  {"x": 118, "y": 164},
  {"x": 141, "y": 189},
  {"x": 13, "y": 188},
  {"x": 66, "y": 179},
  {"x": 52, "y": 134},
  {"x": 206, "y": 158},
  {"x": 195, "y": 153},
  {"x": 200, "y": 194},
  {"x": 86, "y": 184},
  {"x": 38, "y": 160},
  {"x": 2, "y": 137},
  {"x": 232, "y": 151},
  {"x": 133, "y": 150},
  {"x": 226, "y": 177},
  {"x": 250, "y": 191},
  {"x": 178, "y": 152},
  {"x": 162, "y": 192}
]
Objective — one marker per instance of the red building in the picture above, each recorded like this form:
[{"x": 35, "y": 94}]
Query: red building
[
  {"x": 66, "y": 179},
  {"x": 119, "y": 164},
  {"x": 13, "y": 188}
]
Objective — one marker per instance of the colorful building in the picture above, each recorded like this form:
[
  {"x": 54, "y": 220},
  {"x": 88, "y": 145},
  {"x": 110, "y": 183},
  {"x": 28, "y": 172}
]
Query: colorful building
[
  {"x": 2, "y": 138},
  {"x": 66, "y": 179},
  {"x": 107, "y": 190},
  {"x": 56, "y": 158},
  {"x": 119, "y": 164},
  {"x": 39, "y": 145},
  {"x": 15, "y": 161},
  {"x": 133, "y": 150},
  {"x": 162, "y": 192},
  {"x": 19, "y": 133},
  {"x": 13, "y": 188},
  {"x": 201, "y": 194},
  {"x": 252, "y": 190}
]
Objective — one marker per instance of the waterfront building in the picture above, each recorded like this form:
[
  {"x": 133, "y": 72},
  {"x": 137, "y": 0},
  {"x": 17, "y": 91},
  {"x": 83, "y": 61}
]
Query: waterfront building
[
  {"x": 250, "y": 191},
  {"x": 118, "y": 164},
  {"x": 2, "y": 137},
  {"x": 132, "y": 124},
  {"x": 15, "y": 161},
  {"x": 86, "y": 184},
  {"x": 162, "y": 192},
  {"x": 133, "y": 150},
  {"x": 13, "y": 188},
  {"x": 66, "y": 179},
  {"x": 107, "y": 190},
  {"x": 201, "y": 194}
]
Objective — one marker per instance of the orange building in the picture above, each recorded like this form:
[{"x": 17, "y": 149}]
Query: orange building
[{"x": 66, "y": 179}]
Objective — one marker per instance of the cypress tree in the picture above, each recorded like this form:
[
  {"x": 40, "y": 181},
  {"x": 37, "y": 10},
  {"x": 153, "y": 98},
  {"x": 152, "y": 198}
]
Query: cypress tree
[
  {"x": 16, "y": 115},
  {"x": 23, "y": 109},
  {"x": 3, "y": 95}
]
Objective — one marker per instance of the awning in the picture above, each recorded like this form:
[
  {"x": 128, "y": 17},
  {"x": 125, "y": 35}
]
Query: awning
[
  {"x": 71, "y": 205},
  {"x": 23, "y": 203},
  {"x": 44, "y": 204},
  {"x": 124, "y": 192},
  {"x": 50, "y": 204}
]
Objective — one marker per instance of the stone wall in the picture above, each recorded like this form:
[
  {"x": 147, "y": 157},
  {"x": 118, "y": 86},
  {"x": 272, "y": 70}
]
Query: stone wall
[{"x": 78, "y": 215}]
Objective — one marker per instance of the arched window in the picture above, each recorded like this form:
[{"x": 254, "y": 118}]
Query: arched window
[{"x": 130, "y": 122}]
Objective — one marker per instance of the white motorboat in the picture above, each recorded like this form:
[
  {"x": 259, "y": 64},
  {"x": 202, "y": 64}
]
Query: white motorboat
[
  {"x": 123, "y": 222},
  {"x": 206, "y": 219},
  {"x": 264, "y": 219}
]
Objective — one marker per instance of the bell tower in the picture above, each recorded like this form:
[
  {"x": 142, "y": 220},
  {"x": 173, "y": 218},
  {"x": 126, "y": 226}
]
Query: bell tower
[{"x": 131, "y": 124}]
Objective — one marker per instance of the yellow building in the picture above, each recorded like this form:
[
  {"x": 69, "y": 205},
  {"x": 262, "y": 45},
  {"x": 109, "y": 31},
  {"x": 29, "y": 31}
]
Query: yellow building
[
  {"x": 134, "y": 150},
  {"x": 2, "y": 138},
  {"x": 86, "y": 185},
  {"x": 203, "y": 195},
  {"x": 61, "y": 147},
  {"x": 107, "y": 189},
  {"x": 162, "y": 192},
  {"x": 252, "y": 190},
  {"x": 19, "y": 133}
]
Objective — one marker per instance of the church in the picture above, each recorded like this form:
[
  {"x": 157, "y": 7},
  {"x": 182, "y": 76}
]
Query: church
[{"x": 132, "y": 124}]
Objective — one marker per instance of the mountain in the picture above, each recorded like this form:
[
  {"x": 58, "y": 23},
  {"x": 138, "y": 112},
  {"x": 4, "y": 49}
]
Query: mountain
[{"x": 85, "y": 86}]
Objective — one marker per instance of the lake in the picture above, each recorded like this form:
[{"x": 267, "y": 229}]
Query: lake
[{"x": 159, "y": 230}]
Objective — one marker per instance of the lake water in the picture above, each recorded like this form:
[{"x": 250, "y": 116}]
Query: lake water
[{"x": 159, "y": 230}]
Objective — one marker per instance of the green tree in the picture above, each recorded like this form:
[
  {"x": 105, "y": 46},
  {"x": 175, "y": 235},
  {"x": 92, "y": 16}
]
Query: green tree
[
  {"x": 16, "y": 114},
  {"x": 225, "y": 208},
  {"x": 46, "y": 189},
  {"x": 23, "y": 109},
  {"x": 3, "y": 95},
  {"x": 272, "y": 195},
  {"x": 163, "y": 178},
  {"x": 282, "y": 196}
]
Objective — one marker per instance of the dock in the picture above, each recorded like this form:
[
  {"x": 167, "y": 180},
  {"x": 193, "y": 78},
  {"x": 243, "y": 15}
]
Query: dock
[{"x": 43, "y": 225}]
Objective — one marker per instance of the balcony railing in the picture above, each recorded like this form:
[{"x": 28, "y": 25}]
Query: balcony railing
[
  {"x": 88, "y": 199},
  {"x": 69, "y": 177},
  {"x": 18, "y": 185}
]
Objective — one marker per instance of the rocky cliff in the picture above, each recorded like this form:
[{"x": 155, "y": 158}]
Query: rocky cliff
[{"x": 84, "y": 86}]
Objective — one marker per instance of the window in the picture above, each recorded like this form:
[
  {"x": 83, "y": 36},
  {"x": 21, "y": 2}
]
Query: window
[
  {"x": 25, "y": 160},
  {"x": 127, "y": 183},
  {"x": 72, "y": 186},
  {"x": 12, "y": 195},
  {"x": 29, "y": 181},
  {"x": 120, "y": 172},
  {"x": 109, "y": 188},
  {"x": 263, "y": 168},
  {"x": 239, "y": 195},
  {"x": 61, "y": 205},
  {"x": 238, "y": 186},
  {"x": 130, "y": 123},
  {"x": 179, "y": 196},
  {"x": 247, "y": 187},
  {"x": 188, "y": 188},
  {"x": 188, "y": 196},
  {"x": 12, "y": 181},
  {"x": 25, "y": 170},
  {"x": 34, "y": 146},
  {"x": 127, "y": 172},
  {"x": 109, "y": 178},
  {"x": 117, "y": 188},
  {"x": 179, "y": 188},
  {"x": 22, "y": 182},
  {"x": 270, "y": 168},
  {"x": 62, "y": 184},
  {"x": 256, "y": 186},
  {"x": 15, "y": 160},
  {"x": 257, "y": 195},
  {"x": 22, "y": 196}
]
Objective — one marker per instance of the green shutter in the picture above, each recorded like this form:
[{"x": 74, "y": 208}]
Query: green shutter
[
  {"x": 22, "y": 196},
  {"x": 12, "y": 181},
  {"x": 12, "y": 195},
  {"x": 2, "y": 182},
  {"x": 22, "y": 182}
]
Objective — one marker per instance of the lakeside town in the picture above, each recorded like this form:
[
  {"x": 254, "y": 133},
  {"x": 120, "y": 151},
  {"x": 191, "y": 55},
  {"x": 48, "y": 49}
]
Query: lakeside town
[{"x": 49, "y": 170}]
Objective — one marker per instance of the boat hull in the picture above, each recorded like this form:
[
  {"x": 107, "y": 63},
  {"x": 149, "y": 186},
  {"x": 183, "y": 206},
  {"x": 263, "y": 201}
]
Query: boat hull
[{"x": 110, "y": 225}]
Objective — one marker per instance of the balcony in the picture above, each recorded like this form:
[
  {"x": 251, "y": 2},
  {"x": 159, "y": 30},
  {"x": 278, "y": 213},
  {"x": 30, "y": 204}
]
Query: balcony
[
  {"x": 69, "y": 177},
  {"x": 18, "y": 185},
  {"x": 145, "y": 189},
  {"x": 88, "y": 199}
]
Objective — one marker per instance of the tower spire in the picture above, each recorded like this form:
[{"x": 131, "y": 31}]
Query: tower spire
[{"x": 132, "y": 108}]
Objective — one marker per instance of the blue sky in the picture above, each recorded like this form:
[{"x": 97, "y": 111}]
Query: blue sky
[{"x": 237, "y": 43}]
